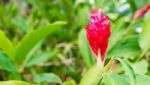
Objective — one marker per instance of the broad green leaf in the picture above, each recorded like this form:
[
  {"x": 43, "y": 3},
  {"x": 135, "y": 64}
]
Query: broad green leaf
[
  {"x": 42, "y": 57},
  {"x": 141, "y": 64},
  {"x": 69, "y": 82},
  {"x": 47, "y": 78},
  {"x": 14, "y": 82},
  {"x": 128, "y": 48},
  {"x": 143, "y": 80},
  {"x": 6, "y": 45},
  {"x": 91, "y": 76},
  {"x": 144, "y": 40},
  {"x": 6, "y": 63},
  {"x": 85, "y": 49},
  {"x": 33, "y": 38},
  {"x": 129, "y": 69},
  {"x": 112, "y": 79}
]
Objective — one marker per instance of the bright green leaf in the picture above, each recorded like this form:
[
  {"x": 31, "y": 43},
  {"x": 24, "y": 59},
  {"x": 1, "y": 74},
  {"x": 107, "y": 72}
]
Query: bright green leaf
[
  {"x": 69, "y": 82},
  {"x": 6, "y": 45},
  {"x": 110, "y": 79},
  {"x": 144, "y": 40},
  {"x": 143, "y": 80},
  {"x": 129, "y": 69},
  {"x": 6, "y": 63},
  {"x": 141, "y": 64},
  {"x": 33, "y": 38},
  {"x": 91, "y": 76},
  {"x": 85, "y": 49},
  {"x": 14, "y": 82},
  {"x": 47, "y": 78}
]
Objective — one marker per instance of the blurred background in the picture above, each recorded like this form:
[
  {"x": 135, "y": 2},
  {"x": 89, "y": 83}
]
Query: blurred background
[{"x": 44, "y": 41}]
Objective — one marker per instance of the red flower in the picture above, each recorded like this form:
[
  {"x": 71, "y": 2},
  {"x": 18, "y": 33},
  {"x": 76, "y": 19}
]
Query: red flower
[
  {"x": 141, "y": 12},
  {"x": 98, "y": 32}
]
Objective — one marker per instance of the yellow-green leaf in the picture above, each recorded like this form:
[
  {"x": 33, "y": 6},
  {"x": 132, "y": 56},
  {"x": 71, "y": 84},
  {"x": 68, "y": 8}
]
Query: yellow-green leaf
[{"x": 6, "y": 45}]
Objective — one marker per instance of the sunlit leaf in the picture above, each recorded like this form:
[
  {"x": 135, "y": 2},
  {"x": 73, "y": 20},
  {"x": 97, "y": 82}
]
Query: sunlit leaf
[
  {"x": 33, "y": 38},
  {"x": 144, "y": 40},
  {"x": 69, "y": 82},
  {"x": 141, "y": 64},
  {"x": 14, "y": 82},
  {"x": 116, "y": 79},
  {"x": 129, "y": 70},
  {"x": 6, "y": 45},
  {"x": 91, "y": 76},
  {"x": 110, "y": 79}
]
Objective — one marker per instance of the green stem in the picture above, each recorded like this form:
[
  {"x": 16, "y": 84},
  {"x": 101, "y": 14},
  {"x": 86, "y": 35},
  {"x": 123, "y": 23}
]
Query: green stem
[
  {"x": 132, "y": 5},
  {"x": 140, "y": 57},
  {"x": 104, "y": 70}
]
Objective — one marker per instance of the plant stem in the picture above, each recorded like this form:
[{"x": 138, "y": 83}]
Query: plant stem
[{"x": 132, "y": 5}]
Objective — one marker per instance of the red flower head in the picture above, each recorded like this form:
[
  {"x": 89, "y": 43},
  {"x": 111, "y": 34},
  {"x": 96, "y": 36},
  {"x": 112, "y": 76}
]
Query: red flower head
[
  {"x": 141, "y": 12},
  {"x": 98, "y": 33}
]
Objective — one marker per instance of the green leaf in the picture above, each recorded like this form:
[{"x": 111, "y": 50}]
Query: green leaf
[
  {"x": 91, "y": 76},
  {"x": 14, "y": 82},
  {"x": 6, "y": 63},
  {"x": 85, "y": 49},
  {"x": 128, "y": 48},
  {"x": 38, "y": 6},
  {"x": 110, "y": 79},
  {"x": 33, "y": 38},
  {"x": 47, "y": 78},
  {"x": 42, "y": 57},
  {"x": 69, "y": 82},
  {"x": 129, "y": 69},
  {"x": 141, "y": 64},
  {"x": 6, "y": 45},
  {"x": 143, "y": 80},
  {"x": 144, "y": 40}
]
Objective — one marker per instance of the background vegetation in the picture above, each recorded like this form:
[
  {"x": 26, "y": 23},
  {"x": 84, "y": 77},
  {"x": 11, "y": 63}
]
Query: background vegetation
[{"x": 44, "y": 42}]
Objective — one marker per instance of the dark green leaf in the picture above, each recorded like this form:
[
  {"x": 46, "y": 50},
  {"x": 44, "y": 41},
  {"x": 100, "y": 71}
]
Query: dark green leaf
[
  {"x": 40, "y": 58},
  {"x": 6, "y": 63},
  {"x": 128, "y": 48}
]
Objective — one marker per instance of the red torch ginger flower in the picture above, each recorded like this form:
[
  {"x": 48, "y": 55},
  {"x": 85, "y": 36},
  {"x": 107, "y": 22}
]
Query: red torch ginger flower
[
  {"x": 141, "y": 12},
  {"x": 98, "y": 33}
]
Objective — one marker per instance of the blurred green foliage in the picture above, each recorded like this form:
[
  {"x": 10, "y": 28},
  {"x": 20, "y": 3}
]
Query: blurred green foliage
[{"x": 44, "y": 42}]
